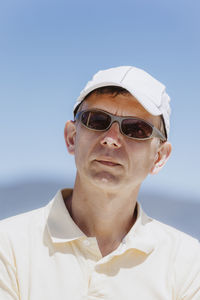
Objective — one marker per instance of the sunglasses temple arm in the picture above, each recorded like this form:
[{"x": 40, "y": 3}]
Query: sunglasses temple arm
[{"x": 158, "y": 134}]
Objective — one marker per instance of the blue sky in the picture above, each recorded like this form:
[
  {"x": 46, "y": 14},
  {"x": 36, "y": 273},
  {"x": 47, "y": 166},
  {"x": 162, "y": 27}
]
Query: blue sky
[{"x": 50, "y": 49}]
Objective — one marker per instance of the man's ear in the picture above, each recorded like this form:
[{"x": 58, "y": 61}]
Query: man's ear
[
  {"x": 69, "y": 134},
  {"x": 162, "y": 157}
]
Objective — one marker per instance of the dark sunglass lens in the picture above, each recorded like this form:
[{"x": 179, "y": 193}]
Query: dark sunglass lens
[
  {"x": 95, "y": 120},
  {"x": 136, "y": 128}
]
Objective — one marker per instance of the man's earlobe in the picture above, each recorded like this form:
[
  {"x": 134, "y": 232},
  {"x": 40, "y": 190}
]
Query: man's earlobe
[
  {"x": 69, "y": 134},
  {"x": 162, "y": 157}
]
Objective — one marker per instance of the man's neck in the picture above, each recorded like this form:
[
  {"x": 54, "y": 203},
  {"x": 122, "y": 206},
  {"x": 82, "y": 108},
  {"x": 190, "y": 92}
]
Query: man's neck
[{"x": 106, "y": 215}]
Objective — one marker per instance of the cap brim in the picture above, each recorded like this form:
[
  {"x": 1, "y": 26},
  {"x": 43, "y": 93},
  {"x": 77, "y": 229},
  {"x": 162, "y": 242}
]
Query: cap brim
[{"x": 144, "y": 100}]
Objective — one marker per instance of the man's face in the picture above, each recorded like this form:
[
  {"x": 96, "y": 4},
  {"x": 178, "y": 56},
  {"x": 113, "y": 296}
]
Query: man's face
[{"x": 109, "y": 159}]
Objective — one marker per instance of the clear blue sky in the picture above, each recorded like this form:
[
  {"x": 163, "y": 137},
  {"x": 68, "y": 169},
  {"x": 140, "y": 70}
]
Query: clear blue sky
[{"x": 50, "y": 49}]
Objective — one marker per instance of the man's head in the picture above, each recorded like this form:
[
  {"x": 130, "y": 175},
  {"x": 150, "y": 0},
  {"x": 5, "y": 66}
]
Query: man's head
[{"x": 118, "y": 156}]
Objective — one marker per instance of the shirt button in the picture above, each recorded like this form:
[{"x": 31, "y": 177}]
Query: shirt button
[{"x": 86, "y": 242}]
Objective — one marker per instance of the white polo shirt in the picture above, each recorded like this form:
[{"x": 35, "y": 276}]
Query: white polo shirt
[{"x": 45, "y": 256}]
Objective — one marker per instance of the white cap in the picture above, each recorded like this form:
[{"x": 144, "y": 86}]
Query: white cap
[{"x": 147, "y": 90}]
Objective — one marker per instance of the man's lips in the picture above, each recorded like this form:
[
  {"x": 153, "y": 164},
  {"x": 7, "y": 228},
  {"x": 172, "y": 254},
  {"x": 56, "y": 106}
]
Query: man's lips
[{"x": 107, "y": 162}]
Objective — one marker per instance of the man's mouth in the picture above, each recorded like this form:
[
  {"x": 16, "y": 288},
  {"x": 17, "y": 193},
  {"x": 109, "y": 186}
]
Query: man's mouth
[{"x": 108, "y": 163}]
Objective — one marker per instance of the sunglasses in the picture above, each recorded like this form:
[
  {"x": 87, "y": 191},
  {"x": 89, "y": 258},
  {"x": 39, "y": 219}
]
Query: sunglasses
[{"x": 135, "y": 128}]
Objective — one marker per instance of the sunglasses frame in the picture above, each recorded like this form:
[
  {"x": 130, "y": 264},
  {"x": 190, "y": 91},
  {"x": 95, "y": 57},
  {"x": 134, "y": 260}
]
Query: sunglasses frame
[{"x": 155, "y": 132}]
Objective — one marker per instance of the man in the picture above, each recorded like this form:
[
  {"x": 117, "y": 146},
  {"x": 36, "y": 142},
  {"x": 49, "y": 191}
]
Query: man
[{"x": 95, "y": 242}]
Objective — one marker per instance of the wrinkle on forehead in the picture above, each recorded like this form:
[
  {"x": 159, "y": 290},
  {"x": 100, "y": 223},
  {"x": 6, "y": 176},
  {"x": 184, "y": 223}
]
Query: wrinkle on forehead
[{"x": 120, "y": 105}]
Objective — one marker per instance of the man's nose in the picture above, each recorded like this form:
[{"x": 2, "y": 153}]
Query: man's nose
[{"x": 112, "y": 137}]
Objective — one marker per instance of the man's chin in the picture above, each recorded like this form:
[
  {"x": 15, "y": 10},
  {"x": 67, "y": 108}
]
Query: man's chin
[{"x": 105, "y": 180}]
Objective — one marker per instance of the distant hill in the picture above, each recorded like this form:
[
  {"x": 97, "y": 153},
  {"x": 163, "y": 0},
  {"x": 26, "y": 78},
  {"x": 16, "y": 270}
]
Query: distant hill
[{"x": 170, "y": 209}]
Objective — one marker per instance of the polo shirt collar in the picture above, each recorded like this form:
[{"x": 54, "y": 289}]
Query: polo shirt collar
[
  {"x": 60, "y": 225},
  {"x": 62, "y": 228},
  {"x": 140, "y": 236}
]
